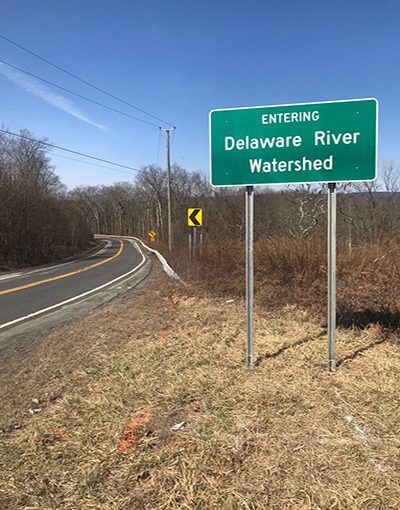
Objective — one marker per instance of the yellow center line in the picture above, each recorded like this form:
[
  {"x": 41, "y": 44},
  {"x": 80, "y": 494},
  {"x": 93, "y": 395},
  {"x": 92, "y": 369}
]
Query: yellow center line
[{"x": 64, "y": 275}]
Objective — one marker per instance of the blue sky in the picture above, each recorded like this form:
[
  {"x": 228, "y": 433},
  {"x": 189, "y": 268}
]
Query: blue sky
[{"x": 179, "y": 59}]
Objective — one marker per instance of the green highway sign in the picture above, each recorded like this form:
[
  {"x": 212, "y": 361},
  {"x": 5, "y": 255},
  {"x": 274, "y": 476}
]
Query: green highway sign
[{"x": 291, "y": 144}]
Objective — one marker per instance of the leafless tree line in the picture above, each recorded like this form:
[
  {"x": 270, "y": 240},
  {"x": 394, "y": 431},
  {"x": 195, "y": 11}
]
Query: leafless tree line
[
  {"x": 367, "y": 212},
  {"x": 38, "y": 222}
]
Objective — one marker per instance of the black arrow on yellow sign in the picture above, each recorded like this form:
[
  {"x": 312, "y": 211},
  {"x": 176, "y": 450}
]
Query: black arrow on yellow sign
[{"x": 195, "y": 217}]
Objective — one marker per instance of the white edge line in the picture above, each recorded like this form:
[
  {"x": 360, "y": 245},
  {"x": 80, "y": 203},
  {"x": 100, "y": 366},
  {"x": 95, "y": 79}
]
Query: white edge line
[
  {"x": 9, "y": 276},
  {"x": 166, "y": 267},
  {"x": 47, "y": 268},
  {"x": 44, "y": 310}
]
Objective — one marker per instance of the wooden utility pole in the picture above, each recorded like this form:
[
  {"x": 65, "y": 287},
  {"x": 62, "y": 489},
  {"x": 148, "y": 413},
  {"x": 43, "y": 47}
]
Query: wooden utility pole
[{"x": 169, "y": 191}]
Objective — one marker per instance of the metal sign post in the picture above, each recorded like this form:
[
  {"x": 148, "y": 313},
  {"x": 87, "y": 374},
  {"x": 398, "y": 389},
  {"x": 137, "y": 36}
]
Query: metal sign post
[
  {"x": 331, "y": 276},
  {"x": 195, "y": 219},
  {"x": 249, "y": 274},
  {"x": 194, "y": 243}
]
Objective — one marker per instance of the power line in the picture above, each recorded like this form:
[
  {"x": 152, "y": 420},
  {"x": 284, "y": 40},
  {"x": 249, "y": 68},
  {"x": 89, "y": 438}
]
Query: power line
[
  {"x": 84, "y": 81},
  {"x": 78, "y": 95},
  {"x": 70, "y": 150},
  {"x": 172, "y": 137},
  {"x": 176, "y": 147},
  {"x": 92, "y": 164},
  {"x": 174, "y": 144},
  {"x": 158, "y": 149}
]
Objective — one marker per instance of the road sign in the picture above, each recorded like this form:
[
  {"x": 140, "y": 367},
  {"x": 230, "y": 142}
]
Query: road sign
[
  {"x": 152, "y": 233},
  {"x": 195, "y": 217},
  {"x": 298, "y": 143}
]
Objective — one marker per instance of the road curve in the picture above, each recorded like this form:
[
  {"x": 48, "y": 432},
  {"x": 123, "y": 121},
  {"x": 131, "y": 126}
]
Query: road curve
[{"x": 26, "y": 296}]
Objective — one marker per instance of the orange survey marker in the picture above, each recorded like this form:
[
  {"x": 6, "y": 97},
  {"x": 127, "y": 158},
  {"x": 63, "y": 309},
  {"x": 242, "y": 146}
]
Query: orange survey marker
[{"x": 131, "y": 432}]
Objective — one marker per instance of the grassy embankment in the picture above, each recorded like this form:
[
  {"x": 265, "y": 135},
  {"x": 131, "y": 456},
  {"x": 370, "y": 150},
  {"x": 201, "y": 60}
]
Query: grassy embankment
[{"x": 285, "y": 434}]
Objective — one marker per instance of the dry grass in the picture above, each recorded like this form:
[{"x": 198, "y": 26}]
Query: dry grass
[
  {"x": 293, "y": 272},
  {"x": 285, "y": 434}
]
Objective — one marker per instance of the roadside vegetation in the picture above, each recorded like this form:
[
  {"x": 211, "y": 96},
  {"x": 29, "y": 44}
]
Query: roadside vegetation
[
  {"x": 285, "y": 435},
  {"x": 148, "y": 404},
  {"x": 38, "y": 222}
]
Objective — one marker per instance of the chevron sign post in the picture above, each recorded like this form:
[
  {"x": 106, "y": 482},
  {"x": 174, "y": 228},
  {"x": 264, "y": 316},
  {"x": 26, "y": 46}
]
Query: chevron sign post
[{"x": 195, "y": 219}]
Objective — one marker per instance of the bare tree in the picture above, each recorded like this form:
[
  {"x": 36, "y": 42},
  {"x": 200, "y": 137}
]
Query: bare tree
[{"x": 33, "y": 226}]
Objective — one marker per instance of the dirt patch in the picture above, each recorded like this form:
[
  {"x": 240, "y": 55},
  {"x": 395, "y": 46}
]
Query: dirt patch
[{"x": 285, "y": 434}]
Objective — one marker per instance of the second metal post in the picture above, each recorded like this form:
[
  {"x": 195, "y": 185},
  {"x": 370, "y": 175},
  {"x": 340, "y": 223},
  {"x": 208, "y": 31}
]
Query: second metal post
[
  {"x": 331, "y": 276},
  {"x": 249, "y": 274}
]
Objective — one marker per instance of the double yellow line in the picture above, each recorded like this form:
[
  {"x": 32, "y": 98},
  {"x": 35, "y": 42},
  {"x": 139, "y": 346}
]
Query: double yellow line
[{"x": 64, "y": 275}]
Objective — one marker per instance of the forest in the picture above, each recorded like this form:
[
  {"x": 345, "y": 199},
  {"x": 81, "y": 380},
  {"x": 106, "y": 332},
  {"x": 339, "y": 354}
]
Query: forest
[{"x": 41, "y": 221}]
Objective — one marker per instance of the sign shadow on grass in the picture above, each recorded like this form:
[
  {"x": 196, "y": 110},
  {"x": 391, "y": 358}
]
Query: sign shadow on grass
[
  {"x": 359, "y": 351},
  {"x": 285, "y": 347}
]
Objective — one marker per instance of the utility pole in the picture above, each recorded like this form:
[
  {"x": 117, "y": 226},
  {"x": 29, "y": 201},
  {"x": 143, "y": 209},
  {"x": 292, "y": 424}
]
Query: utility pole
[{"x": 169, "y": 190}]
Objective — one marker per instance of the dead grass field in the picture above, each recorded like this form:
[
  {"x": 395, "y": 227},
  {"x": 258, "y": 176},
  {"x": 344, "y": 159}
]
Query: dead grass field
[
  {"x": 293, "y": 272},
  {"x": 285, "y": 434}
]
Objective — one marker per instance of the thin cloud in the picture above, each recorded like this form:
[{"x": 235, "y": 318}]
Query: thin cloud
[{"x": 47, "y": 95}]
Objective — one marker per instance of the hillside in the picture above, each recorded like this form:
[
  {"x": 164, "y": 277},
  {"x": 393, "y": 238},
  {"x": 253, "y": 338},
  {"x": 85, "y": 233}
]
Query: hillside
[{"x": 285, "y": 434}]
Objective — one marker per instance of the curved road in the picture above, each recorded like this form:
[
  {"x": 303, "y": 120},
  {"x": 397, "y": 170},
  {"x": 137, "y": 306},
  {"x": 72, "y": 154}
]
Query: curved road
[{"x": 29, "y": 295}]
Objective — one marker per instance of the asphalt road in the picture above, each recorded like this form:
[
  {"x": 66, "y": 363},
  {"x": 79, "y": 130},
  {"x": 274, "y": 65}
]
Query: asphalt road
[{"x": 28, "y": 296}]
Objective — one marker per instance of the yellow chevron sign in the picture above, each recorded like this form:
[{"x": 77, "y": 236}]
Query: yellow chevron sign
[{"x": 195, "y": 217}]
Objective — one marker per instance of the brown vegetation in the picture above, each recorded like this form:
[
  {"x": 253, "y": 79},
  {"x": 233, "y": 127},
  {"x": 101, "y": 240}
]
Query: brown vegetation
[
  {"x": 293, "y": 273},
  {"x": 105, "y": 392},
  {"x": 285, "y": 435}
]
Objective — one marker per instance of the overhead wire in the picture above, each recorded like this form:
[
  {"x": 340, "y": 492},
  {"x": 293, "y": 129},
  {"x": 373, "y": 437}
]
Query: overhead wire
[
  {"x": 70, "y": 150},
  {"x": 172, "y": 137},
  {"x": 76, "y": 94},
  {"x": 87, "y": 99},
  {"x": 54, "y": 154},
  {"x": 82, "y": 80},
  {"x": 176, "y": 147},
  {"x": 159, "y": 143}
]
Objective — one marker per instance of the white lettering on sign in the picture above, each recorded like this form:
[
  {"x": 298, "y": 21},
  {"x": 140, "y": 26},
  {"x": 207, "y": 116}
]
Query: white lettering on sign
[
  {"x": 320, "y": 138},
  {"x": 261, "y": 143},
  {"x": 297, "y": 165},
  {"x": 278, "y": 118},
  {"x": 328, "y": 138}
]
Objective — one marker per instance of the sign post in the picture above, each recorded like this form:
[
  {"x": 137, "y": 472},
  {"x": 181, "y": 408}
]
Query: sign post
[
  {"x": 249, "y": 275},
  {"x": 293, "y": 144},
  {"x": 195, "y": 219},
  {"x": 331, "y": 276}
]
